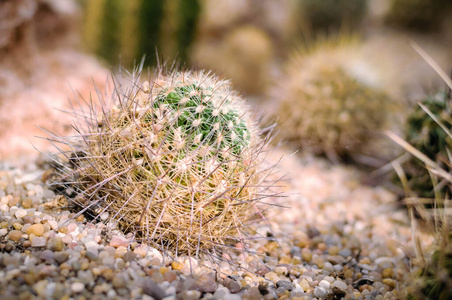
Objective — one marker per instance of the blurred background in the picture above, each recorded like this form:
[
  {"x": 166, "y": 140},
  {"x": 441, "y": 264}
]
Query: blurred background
[{"x": 51, "y": 48}]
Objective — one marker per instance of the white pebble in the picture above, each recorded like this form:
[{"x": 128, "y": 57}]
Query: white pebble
[
  {"x": 20, "y": 213},
  {"x": 3, "y": 231},
  {"x": 320, "y": 292},
  {"x": 325, "y": 284},
  {"x": 340, "y": 285},
  {"x": 4, "y": 208},
  {"x": 39, "y": 241},
  {"x": 77, "y": 287}
]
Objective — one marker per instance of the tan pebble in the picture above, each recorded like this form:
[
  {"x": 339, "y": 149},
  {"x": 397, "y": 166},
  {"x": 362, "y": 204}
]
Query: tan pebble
[
  {"x": 118, "y": 241},
  {"x": 295, "y": 261},
  {"x": 285, "y": 259},
  {"x": 17, "y": 226},
  {"x": 387, "y": 273},
  {"x": 272, "y": 246},
  {"x": 13, "y": 202},
  {"x": 306, "y": 255},
  {"x": 390, "y": 283},
  {"x": 120, "y": 251},
  {"x": 304, "y": 284},
  {"x": 15, "y": 235},
  {"x": 272, "y": 276},
  {"x": 319, "y": 262},
  {"x": 357, "y": 294},
  {"x": 304, "y": 242},
  {"x": 62, "y": 229},
  {"x": 27, "y": 203},
  {"x": 321, "y": 247},
  {"x": 177, "y": 265},
  {"x": 163, "y": 270},
  {"x": 36, "y": 229},
  {"x": 333, "y": 250},
  {"x": 365, "y": 287},
  {"x": 365, "y": 261},
  {"x": 348, "y": 274},
  {"x": 280, "y": 270}
]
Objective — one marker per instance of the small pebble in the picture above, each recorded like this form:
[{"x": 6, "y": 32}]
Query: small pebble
[
  {"x": 36, "y": 229},
  {"x": 15, "y": 235},
  {"x": 77, "y": 287},
  {"x": 39, "y": 242},
  {"x": 320, "y": 292},
  {"x": 20, "y": 213}
]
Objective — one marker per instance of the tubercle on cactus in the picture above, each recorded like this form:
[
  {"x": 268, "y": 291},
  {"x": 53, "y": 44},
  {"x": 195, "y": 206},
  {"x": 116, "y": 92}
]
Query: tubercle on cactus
[{"x": 178, "y": 162}]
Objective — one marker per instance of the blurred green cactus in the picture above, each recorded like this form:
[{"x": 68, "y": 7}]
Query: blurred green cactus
[
  {"x": 131, "y": 29},
  {"x": 426, "y": 135}
]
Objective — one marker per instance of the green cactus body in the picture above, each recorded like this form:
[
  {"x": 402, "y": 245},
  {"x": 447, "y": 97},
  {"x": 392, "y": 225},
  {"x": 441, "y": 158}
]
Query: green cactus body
[
  {"x": 428, "y": 137},
  {"x": 176, "y": 162}
]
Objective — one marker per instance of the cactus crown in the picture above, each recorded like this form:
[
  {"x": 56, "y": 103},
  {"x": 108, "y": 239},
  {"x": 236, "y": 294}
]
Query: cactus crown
[
  {"x": 204, "y": 116},
  {"x": 177, "y": 162}
]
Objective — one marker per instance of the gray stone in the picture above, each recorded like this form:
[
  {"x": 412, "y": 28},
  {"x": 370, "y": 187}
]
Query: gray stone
[
  {"x": 285, "y": 284},
  {"x": 207, "y": 283},
  {"x": 153, "y": 289},
  {"x": 320, "y": 292}
]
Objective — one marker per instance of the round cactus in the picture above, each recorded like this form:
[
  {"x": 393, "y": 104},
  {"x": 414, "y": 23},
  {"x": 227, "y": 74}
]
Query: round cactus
[
  {"x": 326, "y": 108},
  {"x": 426, "y": 135},
  {"x": 177, "y": 162}
]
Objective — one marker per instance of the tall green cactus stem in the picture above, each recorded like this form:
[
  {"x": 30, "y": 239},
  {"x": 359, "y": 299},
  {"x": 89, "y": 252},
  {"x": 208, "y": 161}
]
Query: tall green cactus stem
[
  {"x": 134, "y": 28},
  {"x": 177, "y": 161}
]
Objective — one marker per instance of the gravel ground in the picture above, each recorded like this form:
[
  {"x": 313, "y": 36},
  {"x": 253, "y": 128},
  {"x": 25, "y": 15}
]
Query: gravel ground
[{"x": 339, "y": 239}]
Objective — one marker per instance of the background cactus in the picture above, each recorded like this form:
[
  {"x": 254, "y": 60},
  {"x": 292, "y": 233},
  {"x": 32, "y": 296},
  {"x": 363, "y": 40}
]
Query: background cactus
[
  {"x": 426, "y": 135},
  {"x": 325, "y": 107},
  {"x": 331, "y": 15},
  {"x": 235, "y": 58},
  {"x": 178, "y": 162},
  {"x": 422, "y": 15},
  {"x": 129, "y": 29}
]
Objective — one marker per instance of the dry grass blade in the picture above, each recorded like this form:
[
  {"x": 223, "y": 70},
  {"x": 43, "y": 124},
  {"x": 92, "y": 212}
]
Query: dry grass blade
[{"x": 428, "y": 162}]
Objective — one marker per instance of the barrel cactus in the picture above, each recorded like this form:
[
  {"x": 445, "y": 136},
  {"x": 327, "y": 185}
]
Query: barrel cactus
[
  {"x": 324, "y": 107},
  {"x": 178, "y": 162}
]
